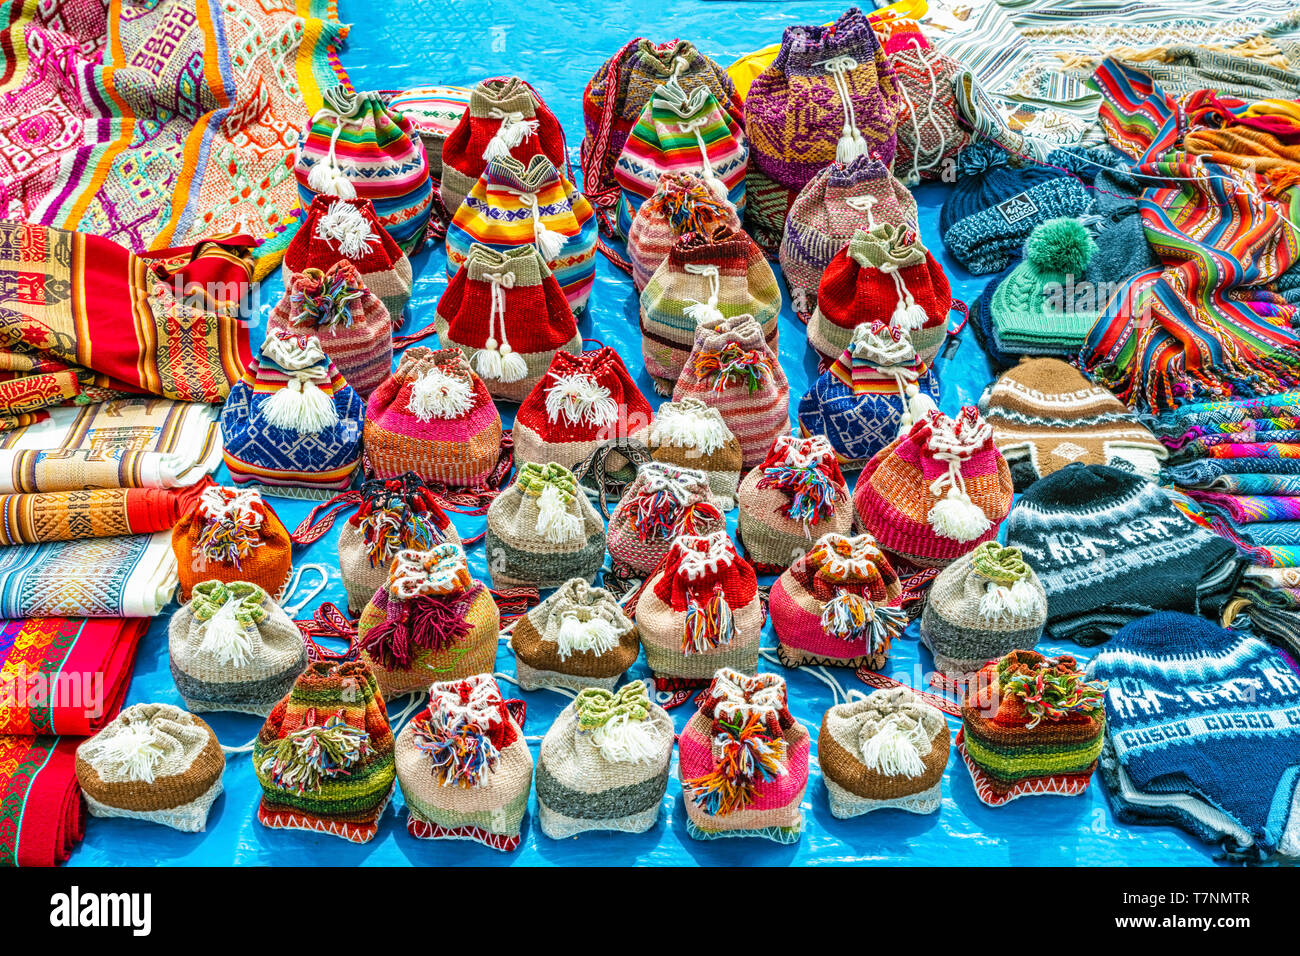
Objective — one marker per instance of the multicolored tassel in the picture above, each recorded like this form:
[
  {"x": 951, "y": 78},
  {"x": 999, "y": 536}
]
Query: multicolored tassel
[
  {"x": 461, "y": 751},
  {"x": 851, "y": 617},
  {"x": 329, "y": 304},
  {"x": 709, "y": 625},
  {"x": 750, "y": 755},
  {"x": 306, "y": 758},
  {"x": 1050, "y": 695},
  {"x": 813, "y": 493},
  {"x": 733, "y": 365}
]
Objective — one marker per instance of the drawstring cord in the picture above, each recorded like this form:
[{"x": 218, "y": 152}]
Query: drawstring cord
[
  {"x": 548, "y": 242},
  {"x": 851, "y": 144},
  {"x": 705, "y": 311},
  {"x": 497, "y": 360}
]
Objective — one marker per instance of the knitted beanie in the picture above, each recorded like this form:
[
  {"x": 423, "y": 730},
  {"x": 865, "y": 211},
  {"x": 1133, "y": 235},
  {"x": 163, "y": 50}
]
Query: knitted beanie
[
  {"x": 1046, "y": 414},
  {"x": 335, "y": 229},
  {"x": 700, "y": 610},
  {"x": 1110, "y": 547},
  {"x": 1203, "y": 722},
  {"x": 681, "y": 132},
  {"x": 357, "y": 147},
  {"x": 505, "y": 117},
  {"x": 937, "y": 492},
  {"x": 663, "y": 501},
  {"x": 707, "y": 275},
  {"x": 293, "y": 423},
  {"x": 885, "y": 751},
  {"x": 617, "y": 94},
  {"x": 692, "y": 434},
  {"x": 1046, "y": 305},
  {"x": 464, "y": 766},
  {"x": 324, "y": 757},
  {"x": 981, "y": 607},
  {"x": 1031, "y": 726},
  {"x": 233, "y": 648},
  {"x": 578, "y": 637},
  {"x": 516, "y": 204},
  {"x": 797, "y": 494},
  {"x": 152, "y": 762},
  {"x": 885, "y": 275},
  {"x": 731, "y": 368},
  {"x": 993, "y": 207},
  {"x": 506, "y": 311},
  {"x": 232, "y": 535},
  {"x": 433, "y": 417},
  {"x": 836, "y": 203},
  {"x": 930, "y": 131},
  {"x": 836, "y": 605},
  {"x": 352, "y": 324},
  {"x": 604, "y": 763},
  {"x": 396, "y": 514},
  {"x": 542, "y": 530},
  {"x": 434, "y": 111},
  {"x": 583, "y": 401},
  {"x": 432, "y": 621},
  {"x": 876, "y": 390},
  {"x": 682, "y": 202},
  {"x": 744, "y": 761}
]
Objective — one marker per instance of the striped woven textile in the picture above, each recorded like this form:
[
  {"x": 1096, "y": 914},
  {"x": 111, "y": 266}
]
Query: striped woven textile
[{"x": 92, "y": 513}]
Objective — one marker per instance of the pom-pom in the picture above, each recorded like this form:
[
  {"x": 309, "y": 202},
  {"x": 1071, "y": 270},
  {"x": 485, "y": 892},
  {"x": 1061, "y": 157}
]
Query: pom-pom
[
  {"x": 957, "y": 518},
  {"x": 437, "y": 394},
  {"x": 301, "y": 407},
  {"x": 1060, "y": 245}
]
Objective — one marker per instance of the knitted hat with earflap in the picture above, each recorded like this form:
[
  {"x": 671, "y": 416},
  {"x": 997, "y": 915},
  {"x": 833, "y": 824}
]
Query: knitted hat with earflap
[
  {"x": 876, "y": 390},
  {"x": 744, "y": 761},
  {"x": 837, "y": 605},
  {"x": 693, "y": 434},
  {"x": 993, "y": 206},
  {"x": 232, "y": 535},
  {"x": 797, "y": 494},
  {"x": 662, "y": 501},
  {"x": 578, "y": 637},
  {"x": 937, "y": 492},
  {"x": 604, "y": 763},
  {"x": 1046, "y": 305},
  {"x": 981, "y": 607},
  {"x": 886, "y": 750},
  {"x": 431, "y": 621},
  {"x": 682, "y": 202},
  {"x": 152, "y": 762}
]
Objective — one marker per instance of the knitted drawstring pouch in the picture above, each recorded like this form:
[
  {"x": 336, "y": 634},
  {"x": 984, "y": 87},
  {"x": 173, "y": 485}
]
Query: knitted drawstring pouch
[
  {"x": 505, "y": 117},
  {"x": 464, "y": 766},
  {"x": 578, "y": 637},
  {"x": 662, "y": 501},
  {"x": 434, "y": 417},
  {"x": 699, "y": 611},
  {"x": 542, "y": 530},
  {"x": 731, "y": 368},
  {"x": 230, "y": 535},
  {"x": 434, "y": 111},
  {"x": 603, "y": 764},
  {"x": 506, "y": 311},
  {"x": 937, "y": 492},
  {"x": 883, "y": 751},
  {"x": 743, "y": 759},
  {"x": 681, "y": 132},
  {"x": 837, "y": 606},
  {"x": 874, "y": 392},
  {"x": 836, "y": 203},
  {"x": 930, "y": 133},
  {"x": 358, "y": 147},
  {"x": 693, "y": 434},
  {"x": 982, "y": 607},
  {"x": 431, "y": 621},
  {"x": 794, "y": 497},
  {"x": 152, "y": 762},
  {"x": 293, "y": 423},
  {"x": 886, "y": 275},
  {"x": 682, "y": 202},
  {"x": 1031, "y": 726},
  {"x": 335, "y": 229},
  {"x": 351, "y": 322},
  {"x": 529, "y": 204},
  {"x": 324, "y": 757},
  {"x": 707, "y": 275},
  {"x": 233, "y": 648}
]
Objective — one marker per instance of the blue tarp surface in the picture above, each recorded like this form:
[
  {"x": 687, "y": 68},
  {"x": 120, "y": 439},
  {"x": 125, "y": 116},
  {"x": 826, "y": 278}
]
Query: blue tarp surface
[{"x": 557, "y": 46}]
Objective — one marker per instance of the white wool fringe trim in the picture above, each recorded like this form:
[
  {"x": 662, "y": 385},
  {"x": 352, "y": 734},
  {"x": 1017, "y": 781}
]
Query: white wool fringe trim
[
  {"x": 893, "y": 752},
  {"x": 624, "y": 740},
  {"x": 1020, "y": 600},
  {"x": 436, "y": 394},
  {"x": 301, "y": 407},
  {"x": 581, "y": 400},
  {"x": 132, "y": 754},
  {"x": 575, "y": 636},
  {"x": 683, "y": 428},
  {"x": 225, "y": 639},
  {"x": 554, "y": 523},
  {"x": 345, "y": 226}
]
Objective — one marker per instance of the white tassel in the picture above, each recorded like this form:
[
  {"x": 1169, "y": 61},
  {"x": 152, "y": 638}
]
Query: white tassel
[
  {"x": 513, "y": 366},
  {"x": 596, "y": 636},
  {"x": 132, "y": 753},
  {"x": 344, "y": 225},
  {"x": 701, "y": 312},
  {"x": 908, "y": 315},
  {"x": 301, "y": 407},
  {"x": 225, "y": 638},
  {"x": 624, "y": 740},
  {"x": 851, "y": 143},
  {"x": 957, "y": 518},
  {"x": 549, "y": 242},
  {"x": 436, "y": 394},
  {"x": 487, "y": 360},
  {"x": 918, "y": 405},
  {"x": 678, "y": 427},
  {"x": 1020, "y": 600},
  {"x": 328, "y": 179},
  {"x": 581, "y": 400},
  {"x": 554, "y": 523},
  {"x": 893, "y": 753},
  {"x": 514, "y": 129}
]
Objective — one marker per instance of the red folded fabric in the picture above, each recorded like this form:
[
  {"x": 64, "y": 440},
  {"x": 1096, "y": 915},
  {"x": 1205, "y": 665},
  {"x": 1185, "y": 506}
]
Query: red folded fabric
[{"x": 42, "y": 816}]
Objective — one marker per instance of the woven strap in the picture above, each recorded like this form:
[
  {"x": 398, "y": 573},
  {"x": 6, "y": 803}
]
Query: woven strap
[
  {"x": 881, "y": 682},
  {"x": 329, "y": 621},
  {"x": 594, "y": 152},
  {"x": 514, "y": 603},
  {"x": 596, "y": 468},
  {"x": 314, "y": 526}
]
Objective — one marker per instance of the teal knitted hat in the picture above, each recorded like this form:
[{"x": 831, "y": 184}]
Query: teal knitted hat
[{"x": 1045, "y": 306}]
